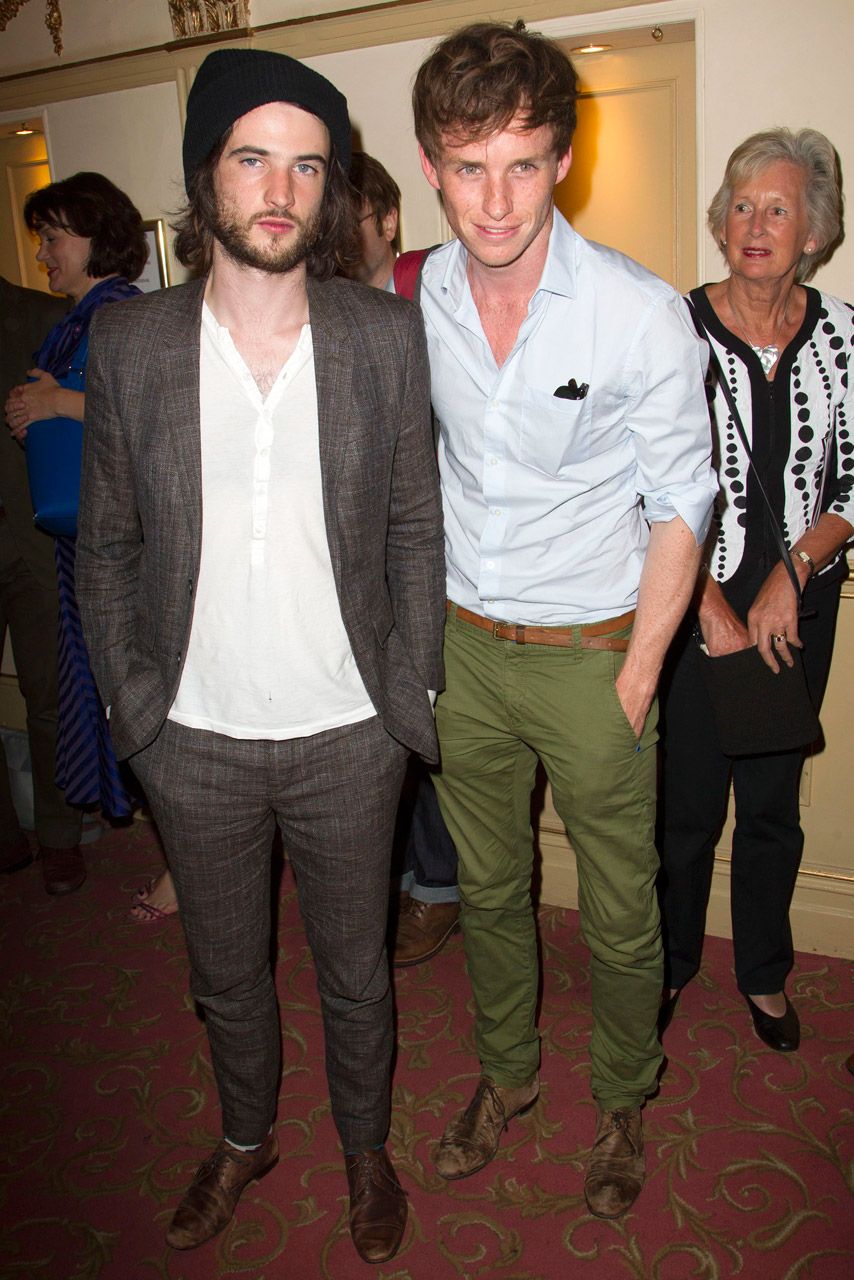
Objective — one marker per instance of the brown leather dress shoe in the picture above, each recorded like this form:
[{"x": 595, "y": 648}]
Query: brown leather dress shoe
[
  {"x": 472, "y": 1138},
  {"x": 15, "y": 853},
  {"x": 423, "y": 928},
  {"x": 377, "y": 1205},
  {"x": 63, "y": 870},
  {"x": 615, "y": 1171},
  {"x": 211, "y": 1198}
]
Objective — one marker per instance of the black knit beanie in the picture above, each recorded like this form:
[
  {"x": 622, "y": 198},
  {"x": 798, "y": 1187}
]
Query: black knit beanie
[{"x": 232, "y": 82}]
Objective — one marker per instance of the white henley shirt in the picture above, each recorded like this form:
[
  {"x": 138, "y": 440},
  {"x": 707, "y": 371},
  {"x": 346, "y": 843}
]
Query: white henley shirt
[{"x": 268, "y": 655}]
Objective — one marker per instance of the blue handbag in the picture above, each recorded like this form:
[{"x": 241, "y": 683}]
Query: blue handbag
[{"x": 54, "y": 448}]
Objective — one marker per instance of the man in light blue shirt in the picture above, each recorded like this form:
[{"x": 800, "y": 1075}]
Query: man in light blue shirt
[{"x": 575, "y": 464}]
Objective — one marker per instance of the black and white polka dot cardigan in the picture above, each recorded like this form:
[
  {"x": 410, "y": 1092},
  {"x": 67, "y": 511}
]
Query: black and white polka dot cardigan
[{"x": 800, "y": 428}]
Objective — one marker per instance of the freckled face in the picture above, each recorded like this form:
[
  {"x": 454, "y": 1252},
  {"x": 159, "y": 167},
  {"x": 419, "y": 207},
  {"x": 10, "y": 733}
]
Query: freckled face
[
  {"x": 269, "y": 183},
  {"x": 66, "y": 256},
  {"x": 497, "y": 192},
  {"x": 767, "y": 223}
]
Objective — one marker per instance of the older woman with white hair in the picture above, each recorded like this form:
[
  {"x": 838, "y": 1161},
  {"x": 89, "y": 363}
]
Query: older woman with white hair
[{"x": 783, "y": 350}]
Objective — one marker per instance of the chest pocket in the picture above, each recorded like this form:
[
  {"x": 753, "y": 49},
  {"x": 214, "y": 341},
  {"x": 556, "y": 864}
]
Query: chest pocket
[{"x": 556, "y": 433}]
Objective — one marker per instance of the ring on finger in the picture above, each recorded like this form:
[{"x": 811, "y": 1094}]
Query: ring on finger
[{"x": 779, "y": 638}]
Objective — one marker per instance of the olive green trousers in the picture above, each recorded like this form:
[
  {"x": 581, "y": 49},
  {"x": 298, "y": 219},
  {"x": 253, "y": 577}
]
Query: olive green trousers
[{"x": 505, "y": 706}]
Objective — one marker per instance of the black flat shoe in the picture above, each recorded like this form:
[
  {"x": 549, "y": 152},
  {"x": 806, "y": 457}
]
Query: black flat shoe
[
  {"x": 783, "y": 1033},
  {"x": 666, "y": 1010}
]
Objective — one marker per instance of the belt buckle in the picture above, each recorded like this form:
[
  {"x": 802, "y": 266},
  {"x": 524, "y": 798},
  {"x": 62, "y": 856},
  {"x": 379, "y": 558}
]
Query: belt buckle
[{"x": 513, "y": 631}]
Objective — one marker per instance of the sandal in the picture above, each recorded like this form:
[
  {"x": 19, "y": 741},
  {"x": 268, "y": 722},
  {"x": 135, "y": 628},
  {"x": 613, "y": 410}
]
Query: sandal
[{"x": 145, "y": 912}]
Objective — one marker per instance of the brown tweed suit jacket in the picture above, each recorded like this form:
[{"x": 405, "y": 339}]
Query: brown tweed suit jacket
[{"x": 139, "y": 538}]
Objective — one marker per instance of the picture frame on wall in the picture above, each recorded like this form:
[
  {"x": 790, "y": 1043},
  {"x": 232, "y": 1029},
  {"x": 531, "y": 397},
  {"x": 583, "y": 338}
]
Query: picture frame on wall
[{"x": 155, "y": 274}]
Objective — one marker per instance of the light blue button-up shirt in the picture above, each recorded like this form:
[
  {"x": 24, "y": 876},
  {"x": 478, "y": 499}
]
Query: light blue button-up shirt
[{"x": 546, "y": 500}]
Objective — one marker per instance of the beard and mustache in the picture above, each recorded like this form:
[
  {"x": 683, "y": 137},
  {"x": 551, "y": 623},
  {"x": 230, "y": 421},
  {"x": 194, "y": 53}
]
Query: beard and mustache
[{"x": 276, "y": 256}]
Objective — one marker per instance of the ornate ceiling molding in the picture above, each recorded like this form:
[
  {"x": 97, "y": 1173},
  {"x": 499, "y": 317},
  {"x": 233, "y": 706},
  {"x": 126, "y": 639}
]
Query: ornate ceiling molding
[
  {"x": 10, "y": 9},
  {"x": 193, "y": 18}
]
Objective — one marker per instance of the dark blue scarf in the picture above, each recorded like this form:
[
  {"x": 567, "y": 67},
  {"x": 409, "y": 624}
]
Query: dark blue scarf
[{"x": 56, "y": 351}]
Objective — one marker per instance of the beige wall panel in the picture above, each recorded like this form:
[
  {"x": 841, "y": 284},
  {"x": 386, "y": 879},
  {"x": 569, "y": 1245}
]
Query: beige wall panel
[
  {"x": 633, "y": 179},
  {"x": 621, "y": 189}
]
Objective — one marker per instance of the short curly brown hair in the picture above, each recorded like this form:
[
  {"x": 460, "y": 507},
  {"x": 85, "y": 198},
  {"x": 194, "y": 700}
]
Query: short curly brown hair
[{"x": 479, "y": 78}]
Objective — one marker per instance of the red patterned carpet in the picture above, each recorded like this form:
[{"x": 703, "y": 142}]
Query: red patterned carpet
[{"x": 107, "y": 1105}]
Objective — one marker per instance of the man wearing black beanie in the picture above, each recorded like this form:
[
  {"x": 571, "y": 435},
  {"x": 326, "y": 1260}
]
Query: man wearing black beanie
[{"x": 261, "y": 578}]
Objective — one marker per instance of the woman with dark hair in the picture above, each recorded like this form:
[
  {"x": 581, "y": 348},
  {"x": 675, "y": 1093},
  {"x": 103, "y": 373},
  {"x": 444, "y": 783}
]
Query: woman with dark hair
[
  {"x": 785, "y": 351},
  {"x": 92, "y": 242}
]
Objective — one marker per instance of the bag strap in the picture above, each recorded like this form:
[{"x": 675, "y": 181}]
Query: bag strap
[
  {"x": 407, "y": 272},
  {"x": 726, "y": 392}
]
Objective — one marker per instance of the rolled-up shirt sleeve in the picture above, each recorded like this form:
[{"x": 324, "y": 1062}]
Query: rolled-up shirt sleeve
[{"x": 669, "y": 418}]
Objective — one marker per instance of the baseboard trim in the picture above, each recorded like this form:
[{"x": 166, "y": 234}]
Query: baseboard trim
[{"x": 822, "y": 909}]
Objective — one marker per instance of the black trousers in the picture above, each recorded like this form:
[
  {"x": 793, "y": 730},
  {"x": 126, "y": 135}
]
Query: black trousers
[
  {"x": 767, "y": 841},
  {"x": 422, "y": 844}
]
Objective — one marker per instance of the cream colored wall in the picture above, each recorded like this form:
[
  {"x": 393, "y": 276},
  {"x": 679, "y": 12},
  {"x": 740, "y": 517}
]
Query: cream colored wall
[
  {"x": 133, "y": 136},
  {"x": 766, "y": 64},
  {"x": 378, "y": 84}
]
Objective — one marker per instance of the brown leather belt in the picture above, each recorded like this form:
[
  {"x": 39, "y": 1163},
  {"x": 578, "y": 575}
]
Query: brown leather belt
[{"x": 590, "y": 635}]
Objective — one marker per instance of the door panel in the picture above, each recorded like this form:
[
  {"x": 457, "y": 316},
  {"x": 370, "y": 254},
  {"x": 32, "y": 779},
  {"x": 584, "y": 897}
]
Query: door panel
[{"x": 632, "y": 183}]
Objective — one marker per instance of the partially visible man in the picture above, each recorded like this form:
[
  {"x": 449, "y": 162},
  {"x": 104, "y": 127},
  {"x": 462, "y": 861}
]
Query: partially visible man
[
  {"x": 260, "y": 579},
  {"x": 574, "y": 458},
  {"x": 378, "y": 216},
  {"x": 29, "y": 608},
  {"x": 425, "y": 912}
]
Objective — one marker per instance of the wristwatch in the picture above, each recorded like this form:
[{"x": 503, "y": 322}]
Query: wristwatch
[{"x": 807, "y": 559}]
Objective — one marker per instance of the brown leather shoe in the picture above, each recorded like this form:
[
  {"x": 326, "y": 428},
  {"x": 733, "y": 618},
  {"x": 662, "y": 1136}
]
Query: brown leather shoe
[
  {"x": 15, "y": 853},
  {"x": 377, "y": 1205},
  {"x": 472, "y": 1138},
  {"x": 423, "y": 928},
  {"x": 615, "y": 1170},
  {"x": 63, "y": 870},
  {"x": 211, "y": 1198}
]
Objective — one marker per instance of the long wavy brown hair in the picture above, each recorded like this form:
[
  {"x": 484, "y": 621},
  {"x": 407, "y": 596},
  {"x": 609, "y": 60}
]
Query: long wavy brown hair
[{"x": 336, "y": 241}]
